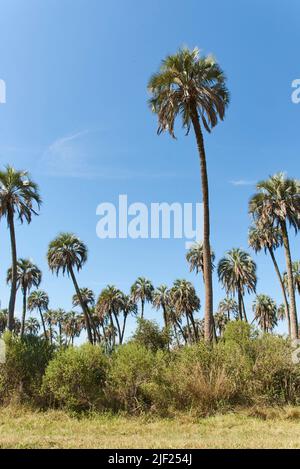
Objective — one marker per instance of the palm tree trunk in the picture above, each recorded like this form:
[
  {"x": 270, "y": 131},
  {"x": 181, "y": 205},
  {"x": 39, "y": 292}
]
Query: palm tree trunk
[
  {"x": 181, "y": 330},
  {"x": 24, "y": 312},
  {"x": 291, "y": 289},
  {"x": 123, "y": 328},
  {"x": 112, "y": 328},
  {"x": 86, "y": 316},
  {"x": 194, "y": 327},
  {"x": 286, "y": 303},
  {"x": 207, "y": 269},
  {"x": 43, "y": 324},
  {"x": 188, "y": 328},
  {"x": 143, "y": 306},
  {"x": 244, "y": 309},
  {"x": 13, "y": 291},
  {"x": 118, "y": 326},
  {"x": 240, "y": 304},
  {"x": 93, "y": 325},
  {"x": 165, "y": 316}
]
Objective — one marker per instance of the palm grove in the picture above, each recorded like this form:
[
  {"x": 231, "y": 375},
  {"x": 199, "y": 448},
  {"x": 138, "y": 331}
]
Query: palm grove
[{"x": 192, "y": 88}]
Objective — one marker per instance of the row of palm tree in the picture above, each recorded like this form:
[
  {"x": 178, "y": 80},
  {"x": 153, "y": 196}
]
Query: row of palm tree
[
  {"x": 192, "y": 87},
  {"x": 236, "y": 271}
]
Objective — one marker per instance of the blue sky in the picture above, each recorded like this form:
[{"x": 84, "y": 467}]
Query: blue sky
[{"x": 77, "y": 118}]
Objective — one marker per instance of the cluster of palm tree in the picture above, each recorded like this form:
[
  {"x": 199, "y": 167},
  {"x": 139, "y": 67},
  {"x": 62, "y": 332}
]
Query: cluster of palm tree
[{"x": 192, "y": 87}]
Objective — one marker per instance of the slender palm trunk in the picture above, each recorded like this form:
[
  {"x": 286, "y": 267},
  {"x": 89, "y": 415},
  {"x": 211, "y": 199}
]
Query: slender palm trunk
[
  {"x": 93, "y": 325},
  {"x": 43, "y": 323},
  {"x": 112, "y": 328},
  {"x": 165, "y": 316},
  {"x": 13, "y": 291},
  {"x": 194, "y": 327},
  {"x": 176, "y": 335},
  {"x": 24, "y": 312},
  {"x": 181, "y": 331},
  {"x": 291, "y": 289},
  {"x": 286, "y": 303},
  {"x": 207, "y": 269},
  {"x": 244, "y": 309},
  {"x": 143, "y": 307},
  {"x": 118, "y": 326},
  {"x": 240, "y": 304},
  {"x": 188, "y": 328},
  {"x": 82, "y": 304},
  {"x": 123, "y": 328}
]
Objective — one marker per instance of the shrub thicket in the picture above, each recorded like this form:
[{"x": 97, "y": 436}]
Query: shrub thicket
[
  {"x": 76, "y": 378},
  {"x": 144, "y": 376}
]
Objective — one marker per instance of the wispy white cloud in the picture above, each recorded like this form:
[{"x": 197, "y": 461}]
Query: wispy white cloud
[
  {"x": 243, "y": 182},
  {"x": 77, "y": 156}
]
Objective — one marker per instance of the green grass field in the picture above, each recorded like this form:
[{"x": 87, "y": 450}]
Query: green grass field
[{"x": 269, "y": 428}]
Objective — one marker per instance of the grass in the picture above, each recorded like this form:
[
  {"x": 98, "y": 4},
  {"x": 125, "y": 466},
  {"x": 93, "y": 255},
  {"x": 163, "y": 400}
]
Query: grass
[{"x": 256, "y": 428}]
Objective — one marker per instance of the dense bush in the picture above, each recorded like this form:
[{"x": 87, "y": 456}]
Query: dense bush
[
  {"x": 22, "y": 373},
  {"x": 149, "y": 335},
  {"x": 144, "y": 376},
  {"x": 132, "y": 370},
  {"x": 76, "y": 378}
]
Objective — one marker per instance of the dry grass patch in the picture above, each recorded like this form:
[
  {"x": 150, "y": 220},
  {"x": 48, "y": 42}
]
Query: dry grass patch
[{"x": 255, "y": 428}]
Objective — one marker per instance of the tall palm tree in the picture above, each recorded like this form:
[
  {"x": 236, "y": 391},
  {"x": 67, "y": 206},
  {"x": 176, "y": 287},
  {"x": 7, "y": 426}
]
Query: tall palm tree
[
  {"x": 39, "y": 300},
  {"x": 277, "y": 202},
  {"x": 185, "y": 302},
  {"x": 269, "y": 238},
  {"x": 228, "y": 306},
  {"x": 194, "y": 257},
  {"x": 194, "y": 88},
  {"x": 88, "y": 298},
  {"x": 110, "y": 302},
  {"x": 161, "y": 299},
  {"x": 32, "y": 326},
  {"x": 71, "y": 326},
  {"x": 58, "y": 318},
  {"x": 265, "y": 312},
  {"x": 49, "y": 317},
  {"x": 128, "y": 306},
  {"x": 65, "y": 253},
  {"x": 18, "y": 197},
  {"x": 220, "y": 321},
  {"x": 28, "y": 276},
  {"x": 142, "y": 290},
  {"x": 237, "y": 273}
]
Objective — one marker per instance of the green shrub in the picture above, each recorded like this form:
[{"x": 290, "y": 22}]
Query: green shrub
[
  {"x": 275, "y": 378},
  {"x": 22, "y": 373},
  {"x": 75, "y": 378},
  {"x": 149, "y": 335},
  {"x": 131, "y": 374}
]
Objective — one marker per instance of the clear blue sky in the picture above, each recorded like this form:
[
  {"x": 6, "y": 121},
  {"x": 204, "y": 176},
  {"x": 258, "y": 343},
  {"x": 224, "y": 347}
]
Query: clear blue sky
[{"x": 77, "y": 118}]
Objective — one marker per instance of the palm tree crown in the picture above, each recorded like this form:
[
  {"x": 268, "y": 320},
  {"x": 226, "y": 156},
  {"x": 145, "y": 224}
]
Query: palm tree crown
[
  {"x": 28, "y": 275},
  {"x": 187, "y": 81},
  {"x": 18, "y": 193},
  {"x": 265, "y": 311},
  {"x": 142, "y": 290},
  {"x": 237, "y": 273},
  {"x": 87, "y": 296},
  {"x": 194, "y": 257},
  {"x": 65, "y": 252}
]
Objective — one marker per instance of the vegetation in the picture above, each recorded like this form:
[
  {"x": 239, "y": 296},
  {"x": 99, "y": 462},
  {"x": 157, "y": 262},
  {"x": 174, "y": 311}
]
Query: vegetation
[{"x": 189, "y": 365}]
